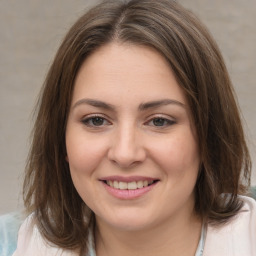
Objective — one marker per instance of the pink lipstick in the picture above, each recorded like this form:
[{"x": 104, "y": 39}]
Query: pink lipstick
[{"x": 128, "y": 187}]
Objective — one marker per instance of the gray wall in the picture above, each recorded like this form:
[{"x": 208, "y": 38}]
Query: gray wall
[{"x": 30, "y": 34}]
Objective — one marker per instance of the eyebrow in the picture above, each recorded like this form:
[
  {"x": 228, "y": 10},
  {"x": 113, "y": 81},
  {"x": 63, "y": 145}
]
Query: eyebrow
[
  {"x": 142, "y": 106},
  {"x": 95, "y": 103},
  {"x": 159, "y": 103}
]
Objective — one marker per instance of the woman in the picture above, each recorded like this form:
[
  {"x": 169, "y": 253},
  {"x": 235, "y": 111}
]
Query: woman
[{"x": 138, "y": 147}]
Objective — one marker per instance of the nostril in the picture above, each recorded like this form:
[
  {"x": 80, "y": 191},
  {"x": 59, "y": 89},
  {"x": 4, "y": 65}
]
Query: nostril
[{"x": 125, "y": 153}]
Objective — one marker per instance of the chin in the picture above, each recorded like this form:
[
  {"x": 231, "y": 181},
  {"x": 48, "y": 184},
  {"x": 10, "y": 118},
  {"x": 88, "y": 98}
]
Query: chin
[
  {"x": 128, "y": 221},
  {"x": 131, "y": 225}
]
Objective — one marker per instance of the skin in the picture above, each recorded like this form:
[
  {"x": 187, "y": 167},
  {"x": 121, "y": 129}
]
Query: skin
[{"x": 129, "y": 137}]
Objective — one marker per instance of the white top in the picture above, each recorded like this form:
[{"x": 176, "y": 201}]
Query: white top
[{"x": 236, "y": 238}]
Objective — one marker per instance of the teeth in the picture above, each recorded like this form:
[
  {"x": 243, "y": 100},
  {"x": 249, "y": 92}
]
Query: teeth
[
  {"x": 116, "y": 184},
  {"x": 140, "y": 184},
  {"x": 129, "y": 185},
  {"x": 123, "y": 185},
  {"x": 132, "y": 185}
]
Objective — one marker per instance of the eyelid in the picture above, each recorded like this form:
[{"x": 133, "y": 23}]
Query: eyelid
[
  {"x": 170, "y": 120},
  {"x": 85, "y": 120}
]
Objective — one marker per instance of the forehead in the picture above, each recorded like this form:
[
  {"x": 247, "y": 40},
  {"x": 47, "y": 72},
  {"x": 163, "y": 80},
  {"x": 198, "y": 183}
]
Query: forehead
[{"x": 121, "y": 71}]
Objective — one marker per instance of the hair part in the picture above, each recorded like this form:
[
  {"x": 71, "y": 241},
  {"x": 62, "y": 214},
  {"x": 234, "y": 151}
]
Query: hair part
[{"x": 196, "y": 61}]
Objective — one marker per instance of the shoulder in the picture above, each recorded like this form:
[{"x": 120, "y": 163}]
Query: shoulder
[
  {"x": 9, "y": 226},
  {"x": 237, "y": 237},
  {"x": 31, "y": 242}
]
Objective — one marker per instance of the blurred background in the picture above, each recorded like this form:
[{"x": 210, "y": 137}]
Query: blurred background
[{"x": 30, "y": 33}]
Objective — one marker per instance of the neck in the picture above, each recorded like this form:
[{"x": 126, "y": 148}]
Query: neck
[{"x": 176, "y": 236}]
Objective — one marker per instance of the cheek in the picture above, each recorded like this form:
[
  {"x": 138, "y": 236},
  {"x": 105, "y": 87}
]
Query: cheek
[
  {"x": 84, "y": 154},
  {"x": 178, "y": 155}
]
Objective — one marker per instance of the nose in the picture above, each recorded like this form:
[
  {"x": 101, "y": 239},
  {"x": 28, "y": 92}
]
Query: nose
[{"x": 126, "y": 148}]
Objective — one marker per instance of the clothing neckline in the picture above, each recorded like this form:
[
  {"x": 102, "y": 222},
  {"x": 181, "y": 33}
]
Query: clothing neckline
[
  {"x": 200, "y": 247},
  {"x": 199, "y": 251}
]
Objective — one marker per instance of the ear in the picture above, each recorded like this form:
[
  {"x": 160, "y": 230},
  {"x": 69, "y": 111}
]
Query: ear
[{"x": 67, "y": 158}]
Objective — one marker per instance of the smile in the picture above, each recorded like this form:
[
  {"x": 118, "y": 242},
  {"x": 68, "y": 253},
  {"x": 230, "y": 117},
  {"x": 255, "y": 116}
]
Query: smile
[
  {"x": 128, "y": 188},
  {"x": 129, "y": 185}
]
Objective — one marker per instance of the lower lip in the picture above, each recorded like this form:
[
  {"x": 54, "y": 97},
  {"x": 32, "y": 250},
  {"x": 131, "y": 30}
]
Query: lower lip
[{"x": 128, "y": 194}]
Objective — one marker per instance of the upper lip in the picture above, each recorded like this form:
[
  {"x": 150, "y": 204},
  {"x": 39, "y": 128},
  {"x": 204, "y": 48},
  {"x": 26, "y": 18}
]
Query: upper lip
[{"x": 127, "y": 179}]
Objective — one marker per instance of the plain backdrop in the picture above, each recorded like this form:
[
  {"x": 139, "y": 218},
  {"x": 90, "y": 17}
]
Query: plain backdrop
[{"x": 30, "y": 32}]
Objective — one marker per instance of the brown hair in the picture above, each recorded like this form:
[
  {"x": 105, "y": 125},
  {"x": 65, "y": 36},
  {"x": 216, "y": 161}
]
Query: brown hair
[{"x": 194, "y": 57}]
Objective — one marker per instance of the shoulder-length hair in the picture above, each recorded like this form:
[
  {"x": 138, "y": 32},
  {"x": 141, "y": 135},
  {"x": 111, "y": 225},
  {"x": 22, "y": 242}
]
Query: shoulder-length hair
[{"x": 196, "y": 61}]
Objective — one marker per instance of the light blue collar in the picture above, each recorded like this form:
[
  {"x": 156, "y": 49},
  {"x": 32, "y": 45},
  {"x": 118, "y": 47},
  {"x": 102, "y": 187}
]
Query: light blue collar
[{"x": 200, "y": 247}]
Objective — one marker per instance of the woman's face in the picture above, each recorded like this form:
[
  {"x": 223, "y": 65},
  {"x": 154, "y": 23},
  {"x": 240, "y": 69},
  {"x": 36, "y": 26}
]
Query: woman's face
[{"x": 131, "y": 146}]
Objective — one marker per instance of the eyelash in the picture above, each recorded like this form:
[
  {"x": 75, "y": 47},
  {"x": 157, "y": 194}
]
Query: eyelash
[
  {"x": 167, "y": 122},
  {"x": 88, "y": 121}
]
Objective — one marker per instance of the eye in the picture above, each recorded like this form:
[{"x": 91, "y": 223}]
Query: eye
[
  {"x": 160, "y": 122},
  {"x": 95, "y": 121}
]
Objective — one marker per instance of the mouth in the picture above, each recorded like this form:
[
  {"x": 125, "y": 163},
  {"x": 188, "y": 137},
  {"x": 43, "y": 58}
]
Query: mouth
[
  {"x": 131, "y": 185},
  {"x": 128, "y": 188}
]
